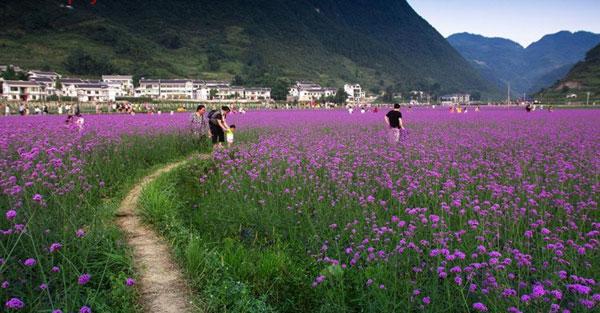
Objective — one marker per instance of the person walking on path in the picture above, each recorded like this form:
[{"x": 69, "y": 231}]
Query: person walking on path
[
  {"x": 218, "y": 125},
  {"x": 199, "y": 125},
  {"x": 394, "y": 120}
]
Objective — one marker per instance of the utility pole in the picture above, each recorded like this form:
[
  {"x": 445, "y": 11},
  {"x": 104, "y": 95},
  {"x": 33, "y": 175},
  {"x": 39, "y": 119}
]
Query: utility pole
[{"x": 508, "y": 98}]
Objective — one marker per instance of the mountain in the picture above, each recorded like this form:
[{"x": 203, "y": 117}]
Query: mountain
[
  {"x": 378, "y": 43},
  {"x": 529, "y": 69},
  {"x": 584, "y": 77}
]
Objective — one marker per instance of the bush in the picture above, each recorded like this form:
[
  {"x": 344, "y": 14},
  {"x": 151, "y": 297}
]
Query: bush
[{"x": 82, "y": 62}]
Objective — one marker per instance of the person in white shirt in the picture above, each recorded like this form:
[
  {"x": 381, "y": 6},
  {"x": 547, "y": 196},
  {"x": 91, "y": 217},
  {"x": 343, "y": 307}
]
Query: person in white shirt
[{"x": 7, "y": 110}]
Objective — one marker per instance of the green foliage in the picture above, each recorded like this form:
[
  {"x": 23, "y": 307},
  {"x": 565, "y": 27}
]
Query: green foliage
[
  {"x": 340, "y": 96},
  {"x": 10, "y": 74},
  {"x": 82, "y": 62},
  {"x": 213, "y": 93},
  {"x": 170, "y": 40}
]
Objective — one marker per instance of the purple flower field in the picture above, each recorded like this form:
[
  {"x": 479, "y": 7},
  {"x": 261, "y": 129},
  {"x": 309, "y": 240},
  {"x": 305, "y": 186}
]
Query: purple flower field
[
  {"x": 494, "y": 211},
  {"x": 58, "y": 247},
  {"x": 485, "y": 211}
]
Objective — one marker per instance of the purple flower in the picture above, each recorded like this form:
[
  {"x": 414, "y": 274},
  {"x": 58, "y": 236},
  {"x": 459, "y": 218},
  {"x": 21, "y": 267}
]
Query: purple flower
[
  {"x": 37, "y": 197},
  {"x": 458, "y": 280},
  {"x": 577, "y": 288},
  {"x": 85, "y": 309},
  {"x": 11, "y": 214},
  {"x": 369, "y": 282},
  {"x": 80, "y": 233},
  {"x": 30, "y": 262},
  {"x": 43, "y": 287},
  {"x": 129, "y": 282},
  {"x": 480, "y": 307},
  {"x": 84, "y": 279},
  {"x": 538, "y": 291},
  {"x": 55, "y": 269},
  {"x": 426, "y": 300},
  {"x": 55, "y": 247},
  {"x": 57, "y": 311},
  {"x": 14, "y": 304},
  {"x": 509, "y": 292},
  {"x": 5, "y": 284}
]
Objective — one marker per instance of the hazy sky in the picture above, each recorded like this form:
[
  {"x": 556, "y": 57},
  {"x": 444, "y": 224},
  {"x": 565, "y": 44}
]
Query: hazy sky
[{"x": 523, "y": 21}]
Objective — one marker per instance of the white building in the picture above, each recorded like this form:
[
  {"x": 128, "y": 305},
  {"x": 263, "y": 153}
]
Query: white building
[
  {"x": 457, "y": 98},
  {"x": 18, "y": 90},
  {"x": 355, "y": 92},
  {"x": 122, "y": 84},
  {"x": 49, "y": 84},
  {"x": 168, "y": 89},
  {"x": 93, "y": 92},
  {"x": 176, "y": 89},
  {"x": 305, "y": 91},
  {"x": 314, "y": 94},
  {"x": 149, "y": 88},
  {"x": 257, "y": 94},
  {"x": 40, "y": 74},
  {"x": 68, "y": 87}
]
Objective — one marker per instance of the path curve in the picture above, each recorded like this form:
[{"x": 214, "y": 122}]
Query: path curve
[{"x": 161, "y": 282}]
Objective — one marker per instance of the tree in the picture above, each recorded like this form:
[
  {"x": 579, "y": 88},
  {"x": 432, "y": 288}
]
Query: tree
[
  {"x": 388, "y": 95},
  {"x": 10, "y": 74},
  {"x": 279, "y": 89},
  {"x": 58, "y": 84},
  {"x": 213, "y": 93},
  {"x": 341, "y": 96},
  {"x": 237, "y": 80},
  {"x": 83, "y": 63},
  {"x": 170, "y": 40}
]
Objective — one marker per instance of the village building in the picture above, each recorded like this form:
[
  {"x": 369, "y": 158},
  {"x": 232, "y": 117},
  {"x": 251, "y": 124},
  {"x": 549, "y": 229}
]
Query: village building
[
  {"x": 41, "y": 74},
  {"x": 94, "y": 92},
  {"x": 49, "y": 84},
  {"x": 354, "y": 92},
  {"x": 166, "y": 89},
  {"x": 257, "y": 94},
  {"x": 68, "y": 87},
  {"x": 306, "y": 91},
  {"x": 457, "y": 98},
  {"x": 17, "y": 90},
  {"x": 314, "y": 94},
  {"x": 122, "y": 84}
]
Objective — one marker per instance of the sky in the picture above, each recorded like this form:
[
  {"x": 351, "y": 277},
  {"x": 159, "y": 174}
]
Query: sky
[{"x": 523, "y": 21}]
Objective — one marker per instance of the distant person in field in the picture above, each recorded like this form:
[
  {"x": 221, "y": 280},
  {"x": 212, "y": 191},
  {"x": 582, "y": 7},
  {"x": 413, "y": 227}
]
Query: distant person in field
[
  {"x": 7, "y": 110},
  {"x": 22, "y": 110},
  {"x": 218, "y": 125},
  {"x": 528, "y": 107},
  {"x": 394, "y": 120},
  {"x": 199, "y": 124},
  {"x": 79, "y": 121}
]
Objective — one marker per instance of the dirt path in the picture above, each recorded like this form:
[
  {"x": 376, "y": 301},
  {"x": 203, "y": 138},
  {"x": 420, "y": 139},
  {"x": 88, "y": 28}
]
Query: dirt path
[{"x": 161, "y": 282}]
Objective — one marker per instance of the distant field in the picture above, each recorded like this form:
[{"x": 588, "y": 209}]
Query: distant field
[{"x": 316, "y": 211}]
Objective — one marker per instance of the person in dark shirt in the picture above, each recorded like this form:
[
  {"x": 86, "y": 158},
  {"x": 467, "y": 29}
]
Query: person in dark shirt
[
  {"x": 394, "y": 120},
  {"x": 218, "y": 125}
]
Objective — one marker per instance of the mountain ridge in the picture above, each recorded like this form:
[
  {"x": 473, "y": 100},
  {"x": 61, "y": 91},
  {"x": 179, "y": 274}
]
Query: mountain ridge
[
  {"x": 527, "y": 69},
  {"x": 584, "y": 77},
  {"x": 381, "y": 44}
]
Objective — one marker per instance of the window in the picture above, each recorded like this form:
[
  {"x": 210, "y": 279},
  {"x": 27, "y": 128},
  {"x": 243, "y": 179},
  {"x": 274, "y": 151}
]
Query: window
[{"x": 14, "y": 88}]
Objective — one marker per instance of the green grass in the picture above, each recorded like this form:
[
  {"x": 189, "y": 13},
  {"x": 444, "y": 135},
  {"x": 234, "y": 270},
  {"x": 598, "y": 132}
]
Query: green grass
[{"x": 101, "y": 252}]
